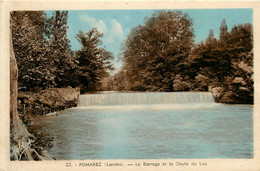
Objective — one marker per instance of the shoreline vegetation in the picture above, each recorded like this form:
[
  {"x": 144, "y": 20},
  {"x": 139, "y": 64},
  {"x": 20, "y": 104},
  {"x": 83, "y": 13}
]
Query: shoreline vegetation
[
  {"x": 159, "y": 56},
  {"x": 47, "y": 101}
]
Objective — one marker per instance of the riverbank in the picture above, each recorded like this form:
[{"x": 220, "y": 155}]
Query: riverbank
[
  {"x": 40, "y": 103},
  {"x": 47, "y": 101}
]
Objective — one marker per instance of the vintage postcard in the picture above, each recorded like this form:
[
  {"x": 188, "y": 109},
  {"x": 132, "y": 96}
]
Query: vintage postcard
[{"x": 160, "y": 85}]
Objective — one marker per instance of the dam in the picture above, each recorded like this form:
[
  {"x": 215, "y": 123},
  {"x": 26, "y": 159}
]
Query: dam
[{"x": 144, "y": 98}]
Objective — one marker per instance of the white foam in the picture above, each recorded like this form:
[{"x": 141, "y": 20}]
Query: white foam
[
  {"x": 152, "y": 98},
  {"x": 154, "y": 106}
]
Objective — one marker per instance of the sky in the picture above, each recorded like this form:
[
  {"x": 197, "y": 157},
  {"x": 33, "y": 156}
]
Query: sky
[{"x": 117, "y": 24}]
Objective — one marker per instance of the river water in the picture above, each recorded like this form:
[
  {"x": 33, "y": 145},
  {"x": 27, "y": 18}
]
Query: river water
[{"x": 150, "y": 131}]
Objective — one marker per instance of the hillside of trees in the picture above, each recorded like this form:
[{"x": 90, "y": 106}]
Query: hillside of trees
[{"x": 161, "y": 56}]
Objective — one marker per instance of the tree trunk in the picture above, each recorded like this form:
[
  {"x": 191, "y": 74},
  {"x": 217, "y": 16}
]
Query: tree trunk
[{"x": 21, "y": 139}]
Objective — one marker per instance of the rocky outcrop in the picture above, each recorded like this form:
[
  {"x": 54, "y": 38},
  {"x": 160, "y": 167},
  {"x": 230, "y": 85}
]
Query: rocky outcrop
[{"x": 47, "y": 101}]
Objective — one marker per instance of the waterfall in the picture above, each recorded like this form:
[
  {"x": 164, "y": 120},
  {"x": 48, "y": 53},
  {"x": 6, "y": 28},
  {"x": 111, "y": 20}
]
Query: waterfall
[{"x": 144, "y": 98}]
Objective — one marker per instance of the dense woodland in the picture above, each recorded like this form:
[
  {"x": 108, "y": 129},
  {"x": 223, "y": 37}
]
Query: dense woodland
[
  {"x": 44, "y": 56},
  {"x": 161, "y": 56},
  {"x": 158, "y": 56}
]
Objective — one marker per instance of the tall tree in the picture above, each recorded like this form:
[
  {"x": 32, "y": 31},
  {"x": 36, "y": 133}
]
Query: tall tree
[
  {"x": 154, "y": 53},
  {"x": 59, "y": 48},
  {"x": 226, "y": 63},
  {"x": 134, "y": 58},
  {"x": 94, "y": 61},
  {"x": 240, "y": 50},
  {"x": 211, "y": 38},
  {"x": 223, "y": 30},
  {"x": 20, "y": 139},
  {"x": 29, "y": 43}
]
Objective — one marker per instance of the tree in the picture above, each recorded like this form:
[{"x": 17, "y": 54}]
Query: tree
[
  {"x": 20, "y": 139},
  {"x": 29, "y": 44},
  {"x": 154, "y": 53},
  {"x": 211, "y": 38},
  {"x": 59, "y": 50},
  {"x": 223, "y": 30},
  {"x": 94, "y": 62},
  {"x": 241, "y": 54},
  {"x": 119, "y": 81},
  {"x": 42, "y": 48},
  {"x": 134, "y": 58},
  {"x": 225, "y": 64}
]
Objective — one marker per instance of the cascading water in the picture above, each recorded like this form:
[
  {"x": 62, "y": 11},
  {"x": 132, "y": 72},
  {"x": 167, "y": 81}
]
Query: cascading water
[{"x": 144, "y": 98}]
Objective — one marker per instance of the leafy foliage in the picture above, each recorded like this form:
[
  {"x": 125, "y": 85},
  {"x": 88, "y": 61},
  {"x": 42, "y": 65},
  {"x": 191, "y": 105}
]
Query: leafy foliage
[
  {"x": 59, "y": 49},
  {"x": 94, "y": 62},
  {"x": 226, "y": 63},
  {"x": 29, "y": 42},
  {"x": 161, "y": 56},
  {"x": 45, "y": 58},
  {"x": 157, "y": 56},
  {"x": 154, "y": 53}
]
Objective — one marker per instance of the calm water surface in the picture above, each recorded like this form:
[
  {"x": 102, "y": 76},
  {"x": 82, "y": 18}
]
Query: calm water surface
[{"x": 151, "y": 132}]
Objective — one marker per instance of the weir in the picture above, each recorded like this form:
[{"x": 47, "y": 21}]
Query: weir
[{"x": 144, "y": 98}]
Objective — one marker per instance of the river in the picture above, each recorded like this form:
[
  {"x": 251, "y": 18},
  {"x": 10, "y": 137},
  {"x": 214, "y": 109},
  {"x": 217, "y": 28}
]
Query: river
[{"x": 151, "y": 131}]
